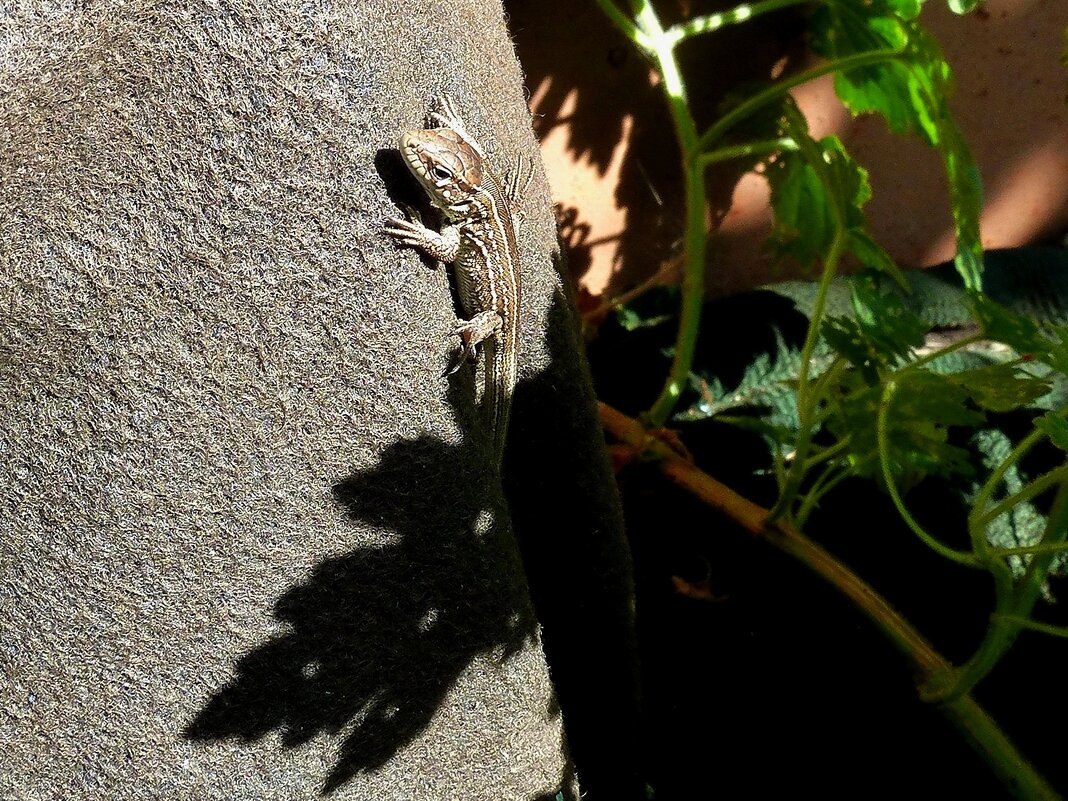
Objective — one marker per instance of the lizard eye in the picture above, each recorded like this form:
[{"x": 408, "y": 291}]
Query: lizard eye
[{"x": 441, "y": 174}]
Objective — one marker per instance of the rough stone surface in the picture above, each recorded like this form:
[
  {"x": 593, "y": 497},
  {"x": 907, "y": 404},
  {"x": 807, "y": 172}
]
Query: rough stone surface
[{"x": 254, "y": 545}]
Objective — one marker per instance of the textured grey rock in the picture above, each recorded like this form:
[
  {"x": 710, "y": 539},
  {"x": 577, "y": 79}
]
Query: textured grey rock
[{"x": 254, "y": 546}]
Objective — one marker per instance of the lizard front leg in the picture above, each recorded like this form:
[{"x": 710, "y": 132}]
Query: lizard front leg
[
  {"x": 445, "y": 246},
  {"x": 442, "y": 245}
]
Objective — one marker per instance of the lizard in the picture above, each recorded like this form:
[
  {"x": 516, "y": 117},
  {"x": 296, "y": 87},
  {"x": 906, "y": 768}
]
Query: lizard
[{"x": 478, "y": 238}]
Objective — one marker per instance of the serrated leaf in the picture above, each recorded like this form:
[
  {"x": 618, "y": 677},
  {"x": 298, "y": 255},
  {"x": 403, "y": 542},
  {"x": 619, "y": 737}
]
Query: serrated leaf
[
  {"x": 1002, "y": 325},
  {"x": 966, "y": 201},
  {"x": 882, "y": 332},
  {"x": 908, "y": 91},
  {"x": 804, "y": 200},
  {"x": 872, "y": 255},
  {"x": 1023, "y": 524},
  {"x": 803, "y": 223},
  {"x": 767, "y": 385},
  {"x": 1000, "y": 387},
  {"x": 935, "y": 397},
  {"x": 918, "y": 424},
  {"x": 1055, "y": 427},
  {"x": 891, "y": 328},
  {"x": 845, "y": 336},
  {"x": 911, "y": 93},
  {"x": 1056, "y": 355}
]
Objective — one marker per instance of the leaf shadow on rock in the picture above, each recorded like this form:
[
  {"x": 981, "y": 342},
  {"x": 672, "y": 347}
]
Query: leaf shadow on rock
[{"x": 375, "y": 638}]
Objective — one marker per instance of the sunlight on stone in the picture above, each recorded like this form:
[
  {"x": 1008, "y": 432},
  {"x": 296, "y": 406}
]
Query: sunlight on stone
[
  {"x": 430, "y": 617},
  {"x": 483, "y": 523}
]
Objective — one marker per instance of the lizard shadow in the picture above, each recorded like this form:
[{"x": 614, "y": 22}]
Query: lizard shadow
[
  {"x": 401, "y": 188},
  {"x": 375, "y": 638},
  {"x": 404, "y": 192}
]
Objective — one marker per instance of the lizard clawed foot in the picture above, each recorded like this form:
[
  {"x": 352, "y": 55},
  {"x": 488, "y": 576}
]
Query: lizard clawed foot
[
  {"x": 473, "y": 333},
  {"x": 467, "y": 352}
]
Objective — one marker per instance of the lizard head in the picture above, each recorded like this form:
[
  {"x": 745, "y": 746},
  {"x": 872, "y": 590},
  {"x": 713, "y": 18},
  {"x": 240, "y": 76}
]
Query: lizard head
[{"x": 448, "y": 168}]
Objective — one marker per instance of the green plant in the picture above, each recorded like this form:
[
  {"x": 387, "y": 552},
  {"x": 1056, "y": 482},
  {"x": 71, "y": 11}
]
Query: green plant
[{"x": 863, "y": 400}]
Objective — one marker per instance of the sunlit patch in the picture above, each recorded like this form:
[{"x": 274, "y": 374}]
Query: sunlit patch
[
  {"x": 484, "y": 522},
  {"x": 428, "y": 620}
]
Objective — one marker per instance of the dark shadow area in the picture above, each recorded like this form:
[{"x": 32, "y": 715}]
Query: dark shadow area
[
  {"x": 780, "y": 688},
  {"x": 565, "y": 510},
  {"x": 376, "y": 637},
  {"x": 567, "y": 781},
  {"x": 402, "y": 188},
  {"x": 574, "y": 237}
]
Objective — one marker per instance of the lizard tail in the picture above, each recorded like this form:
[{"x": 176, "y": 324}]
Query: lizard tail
[{"x": 497, "y": 397}]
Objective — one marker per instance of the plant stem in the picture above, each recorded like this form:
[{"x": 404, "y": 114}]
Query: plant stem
[
  {"x": 625, "y": 24},
  {"x": 743, "y": 110},
  {"x": 938, "y": 354},
  {"x": 975, "y": 725},
  {"x": 695, "y": 237},
  {"x": 1023, "y": 550},
  {"x": 1035, "y": 625},
  {"x": 1014, "y": 604},
  {"x": 829, "y": 452},
  {"x": 824, "y": 483},
  {"x": 990, "y": 486},
  {"x": 807, "y": 401},
  {"x": 744, "y": 151},
  {"x": 658, "y": 44},
  {"x": 883, "y": 435},
  {"x": 706, "y": 23},
  {"x": 1035, "y": 488}
]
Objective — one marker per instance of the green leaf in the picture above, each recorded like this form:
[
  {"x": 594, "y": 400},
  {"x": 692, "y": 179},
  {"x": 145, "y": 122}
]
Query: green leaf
[
  {"x": 804, "y": 197},
  {"x": 891, "y": 88},
  {"x": 804, "y": 223},
  {"x": 936, "y": 398},
  {"x": 767, "y": 385},
  {"x": 872, "y": 255},
  {"x": 966, "y": 200},
  {"x": 846, "y": 337},
  {"x": 906, "y": 9},
  {"x": 1055, "y": 427},
  {"x": 1002, "y": 325},
  {"x": 883, "y": 331},
  {"x": 962, "y": 6},
  {"x": 911, "y": 93},
  {"x": 923, "y": 410},
  {"x": 1023, "y": 524},
  {"x": 1000, "y": 387},
  {"x": 891, "y": 328},
  {"x": 1056, "y": 355}
]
